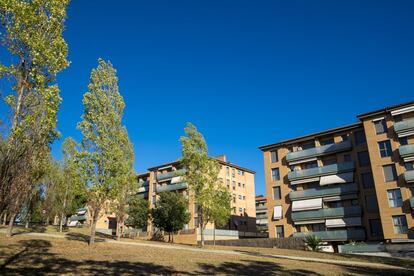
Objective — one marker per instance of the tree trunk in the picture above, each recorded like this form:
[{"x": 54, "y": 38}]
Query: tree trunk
[
  {"x": 172, "y": 237},
  {"x": 202, "y": 230},
  {"x": 61, "y": 222},
  {"x": 64, "y": 210},
  {"x": 5, "y": 219},
  {"x": 93, "y": 227},
  {"x": 27, "y": 221},
  {"x": 9, "y": 231},
  {"x": 118, "y": 230},
  {"x": 214, "y": 235}
]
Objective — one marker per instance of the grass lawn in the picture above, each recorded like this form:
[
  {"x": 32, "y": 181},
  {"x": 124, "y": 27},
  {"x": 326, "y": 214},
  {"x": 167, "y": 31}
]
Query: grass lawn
[{"x": 25, "y": 255}]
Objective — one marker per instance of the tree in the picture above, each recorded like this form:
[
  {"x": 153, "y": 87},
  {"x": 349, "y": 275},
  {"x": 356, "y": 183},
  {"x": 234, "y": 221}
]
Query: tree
[
  {"x": 313, "y": 242},
  {"x": 138, "y": 212},
  {"x": 32, "y": 34},
  {"x": 201, "y": 175},
  {"x": 170, "y": 214},
  {"x": 221, "y": 208},
  {"x": 102, "y": 153}
]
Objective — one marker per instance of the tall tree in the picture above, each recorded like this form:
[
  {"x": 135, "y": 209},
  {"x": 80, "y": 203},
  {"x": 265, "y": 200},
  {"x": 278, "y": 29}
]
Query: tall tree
[
  {"x": 32, "y": 34},
  {"x": 171, "y": 213},
  {"x": 72, "y": 185},
  {"x": 103, "y": 139},
  {"x": 201, "y": 175},
  {"x": 138, "y": 212},
  {"x": 221, "y": 208}
]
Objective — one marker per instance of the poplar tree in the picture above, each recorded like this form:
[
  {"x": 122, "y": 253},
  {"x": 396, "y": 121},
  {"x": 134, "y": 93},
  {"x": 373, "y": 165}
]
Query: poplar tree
[
  {"x": 102, "y": 156},
  {"x": 202, "y": 176},
  {"x": 32, "y": 35}
]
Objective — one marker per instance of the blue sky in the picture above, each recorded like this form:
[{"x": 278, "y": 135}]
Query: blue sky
[{"x": 246, "y": 73}]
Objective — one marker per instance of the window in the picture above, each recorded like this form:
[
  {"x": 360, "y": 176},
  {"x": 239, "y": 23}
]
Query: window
[
  {"x": 385, "y": 148},
  {"x": 279, "y": 231},
  {"x": 412, "y": 191},
  {"x": 371, "y": 203},
  {"x": 244, "y": 197},
  {"x": 239, "y": 172},
  {"x": 367, "y": 180},
  {"x": 275, "y": 174},
  {"x": 400, "y": 224},
  {"x": 345, "y": 137},
  {"x": 347, "y": 158},
  {"x": 327, "y": 142},
  {"x": 239, "y": 184},
  {"x": 307, "y": 145},
  {"x": 309, "y": 165},
  {"x": 389, "y": 173},
  {"x": 409, "y": 166},
  {"x": 233, "y": 172},
  {"x": 244, "y": 185},
  {"x": 363, "y": 158},
  {"x": 394, "y": 198},
  {"x": 335, "y": 204},
  {"x": 228, "y": 182},
  {"x": 319, "y": 227},
  {"x": 329, "y": 161},
  {"x": 228, "y": 171},
  {"x": 380, "y": 126},
  {"x": 397, "y": 118},
  {"x": 273, "y": 156},
  {"x": 234, "y": 199},
  {"x": 233, "y": 183},
  {"x": 240, "y": 197},
  {"x": 195, "y": 222},
  {"x": 276, "y": 193},
  {"x": 375, "y": 227},
  {"x": 240, "y": 210},
  {"x": 360, "y": 137},
  {"x": 403, "y": 141}
]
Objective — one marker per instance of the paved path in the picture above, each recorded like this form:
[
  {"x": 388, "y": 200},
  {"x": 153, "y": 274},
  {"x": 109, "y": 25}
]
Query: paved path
[{"x": 226, "y": 252}]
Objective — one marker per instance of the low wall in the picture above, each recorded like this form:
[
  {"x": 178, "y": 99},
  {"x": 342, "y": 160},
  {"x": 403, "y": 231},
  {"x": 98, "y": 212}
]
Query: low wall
[
  {"x": 288, "y": 243},
  {"x": 380, "y": 249}
]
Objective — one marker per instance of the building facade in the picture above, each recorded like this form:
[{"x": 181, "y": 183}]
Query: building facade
[
  {"x": 238, "y": 180},
  {"x": 261, "y": 214},
  {"x": 354, "y": 182}
]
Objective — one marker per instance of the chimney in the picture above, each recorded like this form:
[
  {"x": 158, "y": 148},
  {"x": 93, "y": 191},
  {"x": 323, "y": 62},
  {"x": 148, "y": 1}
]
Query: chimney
[{"x": 222, "y": 158}]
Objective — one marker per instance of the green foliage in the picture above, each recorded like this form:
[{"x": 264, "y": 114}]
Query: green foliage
[
  {"x": 202, "y": 172},
  {"x": 171, "y": 212},
  {"x": 106, "y": 155},
  {"x": 138, "y": 212},
  {"x": 313, "y": 242}
]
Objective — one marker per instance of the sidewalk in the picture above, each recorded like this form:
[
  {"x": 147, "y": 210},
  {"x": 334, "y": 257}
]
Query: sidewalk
[{"x": 226, "y": 252}]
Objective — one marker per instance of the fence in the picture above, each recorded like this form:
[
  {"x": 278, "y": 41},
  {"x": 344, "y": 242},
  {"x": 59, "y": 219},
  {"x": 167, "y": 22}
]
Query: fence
[
  {"x": 380, "y": 249},
  {"x": 288, "y": 243}
]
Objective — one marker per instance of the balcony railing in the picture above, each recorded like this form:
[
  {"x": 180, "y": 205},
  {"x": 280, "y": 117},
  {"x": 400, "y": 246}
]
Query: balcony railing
[
  {"x": 320, "y": 171},
  {"x": 168, "y": 175},
  {"x": 409, "y": 176},
  {"x": 143, "y": 189},
  {"x": 260, "y": 208},
  {"x": 142, "y": 195},
  {"x": 404, "y": 126},
  {"x": 340, "y": 212},
  {"x": 318, "y": 151},
  {"x": 172, "y": 187},
  {"x": 336, "y": 235},
  {"x": 261, "y": 216},
  {"x": 412, "y": 202},
  {"x": 329, "y": 190},
  {"x": 406, "y": 150},
  {"x": 78, "y": 218}
]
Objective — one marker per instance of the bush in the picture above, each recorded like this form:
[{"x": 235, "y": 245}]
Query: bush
[{"x": 313, "y": 242}]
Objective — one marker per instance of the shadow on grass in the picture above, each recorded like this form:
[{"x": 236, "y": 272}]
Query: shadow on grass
[
  {"x": 81, "y": 237},
  {"x": 36, "y": 258}
]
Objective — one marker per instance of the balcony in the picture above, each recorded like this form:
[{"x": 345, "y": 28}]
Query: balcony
[
  {"x": 143, "y": 189},
  {"x": 172, "y": 187},
  {"x": 412, "y": 202},
  {"x": 318, "y": 151},
  {"x": 337, "y": 235},
  {"x": 404, "y": 126},
  {"x": 78, "y": 218},
  {"x": 340, "y": 212},
  {"x": 409, "y": 176},
  {"x": 261, "y": 208},
  {"x": 320, "y": 171},
  {"x": 168, "y": 175},
  {"x": 262, "y": 216},
  {"x": 406, "y": 151},
  {"x": 323, "y": 191}
]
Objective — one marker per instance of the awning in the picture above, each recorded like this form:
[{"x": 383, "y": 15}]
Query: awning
[
  {"x": 303, "y": 161},
  {"x": 277, "y": 212},
  {"x": 73, "y": 223},
  {"x": 402, "y": 110},
  {"x": 309, "y": 222},
  {"x": 337, "y": 178},
  {"x": 308, "y": 180},
  {"x": 343, "y": 222},
  {"x": 176, "y": 179},
  {"x": 338, "y": 198},
  {"x": 404, "y": 134},
  {"x": 307, "y": 204},
  {"x": 409, "y": 159}
]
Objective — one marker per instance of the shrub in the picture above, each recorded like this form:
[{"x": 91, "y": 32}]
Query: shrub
[{"x": 313, "y": 242}]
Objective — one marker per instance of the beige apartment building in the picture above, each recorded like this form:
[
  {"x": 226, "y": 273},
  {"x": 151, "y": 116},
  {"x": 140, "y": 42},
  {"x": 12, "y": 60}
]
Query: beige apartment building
[
  {"x": 238, "y": 180},
  {"x": 354, "y": 182},
  {"x": 261, "y": 214}
]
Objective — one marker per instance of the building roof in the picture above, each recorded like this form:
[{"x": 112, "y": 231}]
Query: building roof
[
  {"x": 173, "y": 163},
  {"x": 385, "y": 109},
  {"x": 310, "y": 136},
  {"x": 260, "y": 197}
]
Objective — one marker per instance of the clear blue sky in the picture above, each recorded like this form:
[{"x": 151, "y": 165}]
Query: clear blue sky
[{"x": 247, "y": 73}]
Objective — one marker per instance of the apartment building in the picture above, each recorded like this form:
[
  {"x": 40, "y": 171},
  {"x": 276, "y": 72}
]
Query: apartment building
[
  {"x": 238, "y": 180},
  {"x": 261, "y": 214},
  {"x": 354, "y": 182}
]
